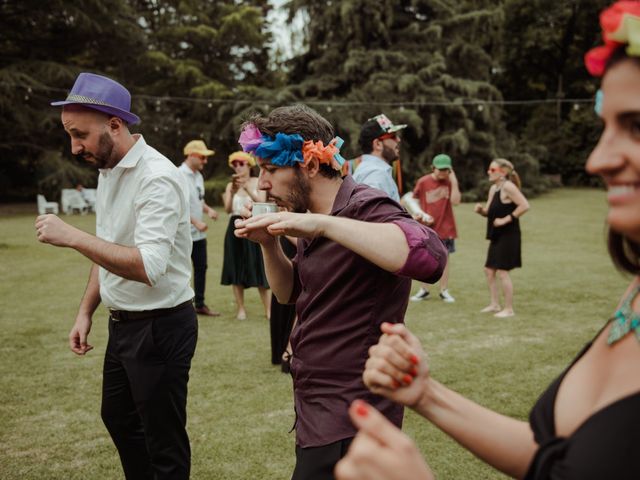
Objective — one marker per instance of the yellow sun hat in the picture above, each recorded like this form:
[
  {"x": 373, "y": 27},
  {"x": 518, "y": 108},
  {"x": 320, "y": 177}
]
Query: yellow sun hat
[
  {"x": 198, "y": 147},
  {"x": 242, "y": 157}
]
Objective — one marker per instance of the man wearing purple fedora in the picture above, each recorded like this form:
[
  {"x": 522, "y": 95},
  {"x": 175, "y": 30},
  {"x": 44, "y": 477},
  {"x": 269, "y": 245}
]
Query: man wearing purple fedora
[{"x": 141, "y": 272}]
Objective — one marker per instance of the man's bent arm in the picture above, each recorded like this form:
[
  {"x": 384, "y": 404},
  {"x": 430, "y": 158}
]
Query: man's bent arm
[
  {"x": 91, "y": 298},
  {"x": 126, "y": 262},
  {"x": 403, "y": 247},
  {"x": 279, "y": 270},
  {"x": 383, "y": 244}
]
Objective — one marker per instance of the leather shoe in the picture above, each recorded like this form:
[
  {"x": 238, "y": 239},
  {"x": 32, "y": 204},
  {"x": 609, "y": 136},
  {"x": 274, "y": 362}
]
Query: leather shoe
[{"x": 204, "y": 310}]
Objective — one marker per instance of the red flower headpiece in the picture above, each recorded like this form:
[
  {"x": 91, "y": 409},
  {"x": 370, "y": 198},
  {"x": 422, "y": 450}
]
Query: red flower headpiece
[{"x": 620, "y": 26}]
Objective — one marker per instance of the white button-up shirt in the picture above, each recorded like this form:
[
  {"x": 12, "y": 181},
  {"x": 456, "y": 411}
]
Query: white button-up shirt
[
  {"x": 376, "y": 173},
  {"x": 195, "y": 193},
  {"x": 141, "y": 202}
]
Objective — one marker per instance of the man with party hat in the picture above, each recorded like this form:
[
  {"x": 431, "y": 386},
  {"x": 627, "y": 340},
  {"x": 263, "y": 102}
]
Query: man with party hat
[
  {"x": 380, "y": 144},
  {"x": 357, "y": 252},
  {"x": 141, "y": 271},
  {"x": 196, "y": 154}
]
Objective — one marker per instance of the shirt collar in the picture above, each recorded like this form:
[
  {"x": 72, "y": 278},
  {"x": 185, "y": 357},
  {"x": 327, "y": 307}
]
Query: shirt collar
[
  {"x": 344, "y": 194},
  {"x": 134, "y": 154},
  {"x": 372, "y": 159},
  {"x": 186, "y": 168}
]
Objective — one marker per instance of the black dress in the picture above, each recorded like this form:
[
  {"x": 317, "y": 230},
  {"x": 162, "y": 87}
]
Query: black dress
[
  {"x": 604, "y": 447},
  {"x": 282, "y": 315},
  {"x": 243, "y": 264},
  {"x": 504, "y": 249}
]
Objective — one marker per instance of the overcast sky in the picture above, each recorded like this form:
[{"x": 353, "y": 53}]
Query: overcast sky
[{"x": 282, "y": 30}]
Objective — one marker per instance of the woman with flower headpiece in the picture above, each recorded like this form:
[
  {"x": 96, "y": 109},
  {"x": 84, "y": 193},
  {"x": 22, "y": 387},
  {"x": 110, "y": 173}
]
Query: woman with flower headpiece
[
  {"x": 587, "y": 424},
  {"x": 505, "y": 205},
  {"x": 243, "y": 266}
]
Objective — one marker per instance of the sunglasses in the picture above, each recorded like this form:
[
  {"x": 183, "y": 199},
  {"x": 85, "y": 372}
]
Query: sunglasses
[
  {"x": 390, "y": 136},
  {"x": 236, "y": 163},
  {"x": 443, "y": 170},
  {"x": 493, "y": 169}
]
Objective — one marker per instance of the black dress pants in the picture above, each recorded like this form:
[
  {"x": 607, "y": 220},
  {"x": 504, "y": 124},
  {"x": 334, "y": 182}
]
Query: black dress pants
[
  {"x": 144, "y": 393},
  {"x": 317, "y": 463},
  {"x": 199, "y": 259}
]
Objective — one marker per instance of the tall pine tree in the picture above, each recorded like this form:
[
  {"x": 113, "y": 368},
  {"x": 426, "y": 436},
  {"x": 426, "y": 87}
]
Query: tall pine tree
[{"x": 427, "y": 63}]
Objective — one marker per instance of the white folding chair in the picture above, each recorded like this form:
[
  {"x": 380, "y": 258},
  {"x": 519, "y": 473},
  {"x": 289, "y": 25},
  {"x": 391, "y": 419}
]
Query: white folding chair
[
  {"x": 89, "y": 195},
  {"x": 72, "y": 201},
  {"x": 46, "y": 207}
]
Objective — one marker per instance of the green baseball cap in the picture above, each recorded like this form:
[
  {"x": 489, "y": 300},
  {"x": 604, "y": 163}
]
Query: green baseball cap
[{"x": 442, "y": 161}]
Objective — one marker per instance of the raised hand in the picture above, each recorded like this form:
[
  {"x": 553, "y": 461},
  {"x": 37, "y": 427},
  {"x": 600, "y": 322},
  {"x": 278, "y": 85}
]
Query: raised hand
[
  {"x": 397, "y": 366},
  {"x": 53, "y": 230},
  {"x": 380, "y": 451},
  {"x": 306, "y": 225}
]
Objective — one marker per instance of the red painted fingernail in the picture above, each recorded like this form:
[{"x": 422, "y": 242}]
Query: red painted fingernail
[
  {"x": 414, "y": 359},
  {"x": 414, "y": 371},
  {"x": 407, "y": 379},
  {"x": 395, "y": 383},
  {"x": 362, "y": 409}
]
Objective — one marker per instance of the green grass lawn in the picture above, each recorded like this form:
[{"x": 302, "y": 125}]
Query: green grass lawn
[{"x": 240, "y": 407}]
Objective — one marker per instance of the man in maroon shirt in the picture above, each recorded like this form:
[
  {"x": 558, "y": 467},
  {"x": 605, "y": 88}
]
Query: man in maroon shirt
[
  {"x": 437, "y": 193},
  {"x": 356, "y": 254}
]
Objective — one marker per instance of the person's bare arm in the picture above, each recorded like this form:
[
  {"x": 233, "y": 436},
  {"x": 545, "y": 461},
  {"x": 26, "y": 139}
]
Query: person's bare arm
[
  {"x": 386, "y": 245},
  {"x": 516, "y": 196},
  {"x": 279, "y": 270},
  {"x": 397, "y": 368},
  {"x": 126, "y": 262},
  {"x": 82, "y": 326},
  {"x": 484, "y": 209},
  {"x": 210, "y": 212},
  {"x": 455, "y": 189},
  {"x": 227, "y": 197}
]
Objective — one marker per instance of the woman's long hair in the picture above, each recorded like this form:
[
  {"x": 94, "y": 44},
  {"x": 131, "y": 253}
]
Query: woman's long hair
[
  {"x": 509, "y": 170},
  {"x": 624, "y": 253}
]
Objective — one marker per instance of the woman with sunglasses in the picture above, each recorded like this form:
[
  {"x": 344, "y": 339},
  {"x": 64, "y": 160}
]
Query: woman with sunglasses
[
  {"x": 505, "y": 205},
  {"x": 243, "y": 266},
  {"x": 586, "y": 425}
]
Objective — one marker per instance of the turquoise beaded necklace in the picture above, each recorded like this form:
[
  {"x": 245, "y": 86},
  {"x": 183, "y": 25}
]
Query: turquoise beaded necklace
[{"x": 625, "y": 319}]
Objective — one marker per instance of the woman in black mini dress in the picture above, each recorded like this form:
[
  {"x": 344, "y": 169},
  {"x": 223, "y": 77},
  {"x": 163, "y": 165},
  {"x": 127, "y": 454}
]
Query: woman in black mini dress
[{"x": 506, "y": 204}]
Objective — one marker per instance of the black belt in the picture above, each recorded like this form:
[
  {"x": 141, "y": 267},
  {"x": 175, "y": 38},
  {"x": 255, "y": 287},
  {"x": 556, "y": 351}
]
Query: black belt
[{"x": 125, "y": 316}]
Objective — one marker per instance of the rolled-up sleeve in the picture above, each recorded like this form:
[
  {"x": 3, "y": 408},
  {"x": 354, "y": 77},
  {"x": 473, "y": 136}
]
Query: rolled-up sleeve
[
  {"x": 427, "y": 254},
  {"x": 157, "y": 217}
]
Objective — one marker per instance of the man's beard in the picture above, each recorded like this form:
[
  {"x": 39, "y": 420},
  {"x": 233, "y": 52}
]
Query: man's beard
[
  {"x": 298, "y": 198},
  {"x": 103, "y": 156},
  {"x": 389, "y": 154}
]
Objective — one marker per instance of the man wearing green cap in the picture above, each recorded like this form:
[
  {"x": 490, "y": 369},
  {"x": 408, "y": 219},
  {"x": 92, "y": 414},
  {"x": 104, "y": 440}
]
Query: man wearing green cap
[{"x": 437, "y": 193}]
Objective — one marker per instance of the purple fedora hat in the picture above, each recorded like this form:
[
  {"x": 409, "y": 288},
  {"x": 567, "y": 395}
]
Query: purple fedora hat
[{"x": 102, "y": 94}]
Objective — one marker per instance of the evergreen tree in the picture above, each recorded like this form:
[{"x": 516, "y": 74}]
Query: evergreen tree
[
  {"x": 544, "y": 45},
  {"x": 179, "y": 58},
  {"x": 204, "y": 54},
  {"x": 43, "y": 49},
  {"x": 426, "y": 63}
]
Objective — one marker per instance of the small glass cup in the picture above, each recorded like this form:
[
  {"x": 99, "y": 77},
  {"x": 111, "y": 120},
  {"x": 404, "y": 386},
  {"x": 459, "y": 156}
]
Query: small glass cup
[{"x": 262, "y": 208}]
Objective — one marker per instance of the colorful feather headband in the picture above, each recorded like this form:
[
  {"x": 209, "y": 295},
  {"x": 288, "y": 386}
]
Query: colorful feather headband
[
  {"x": 620, "y": 26},
  {"x": 287, "y": 150}
]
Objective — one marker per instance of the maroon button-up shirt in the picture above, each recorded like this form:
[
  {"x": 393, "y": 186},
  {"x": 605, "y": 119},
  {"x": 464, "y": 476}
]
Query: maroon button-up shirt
[{"x": 341, "y": 300}]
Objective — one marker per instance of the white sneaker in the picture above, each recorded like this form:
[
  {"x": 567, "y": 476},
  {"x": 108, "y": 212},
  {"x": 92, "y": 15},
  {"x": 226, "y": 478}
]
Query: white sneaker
[
  {"x": 446, "y": 296},
  {"x": 421, "y": 295}
]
